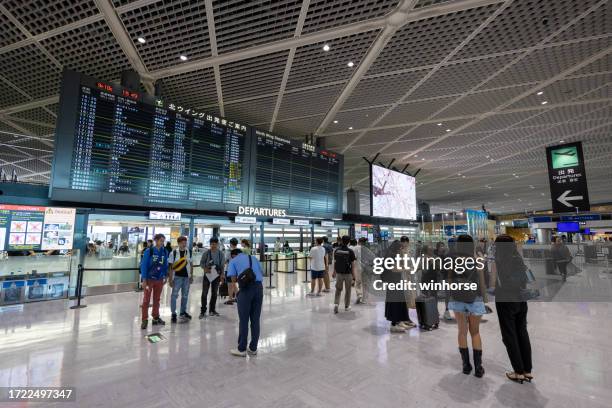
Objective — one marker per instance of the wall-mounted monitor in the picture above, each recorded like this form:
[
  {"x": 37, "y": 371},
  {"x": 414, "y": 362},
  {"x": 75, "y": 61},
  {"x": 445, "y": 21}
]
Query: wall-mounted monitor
[
  {"x": 392, "y": 194},
  {"x": 120, "y": 146},
  {"x": 568, "y": 227}
]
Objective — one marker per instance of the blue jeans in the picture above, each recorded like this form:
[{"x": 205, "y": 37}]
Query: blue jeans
[
  {"x": 249, "y": 300},
  {"x": 180, "y": 283}
]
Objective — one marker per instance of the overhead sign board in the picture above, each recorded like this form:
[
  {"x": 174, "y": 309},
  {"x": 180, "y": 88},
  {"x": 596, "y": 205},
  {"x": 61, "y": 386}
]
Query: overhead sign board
[
  {"x": 261, "y": 211},
  {"x": 163, "y": 215},
  {"x": 567, "y": 178},
  {"x": 245, "y": 220},
  {"x": 327, "y": 223},
  {"x": 281, "y": 221}
]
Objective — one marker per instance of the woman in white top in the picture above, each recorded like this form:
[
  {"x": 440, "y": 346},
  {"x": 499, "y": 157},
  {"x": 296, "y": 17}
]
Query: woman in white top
[{"x": 318, "y": 265}]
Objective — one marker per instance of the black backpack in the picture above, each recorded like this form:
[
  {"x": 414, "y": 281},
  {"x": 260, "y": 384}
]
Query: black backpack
[
  {"x": 342, "y": 259},
  {"x": 247, "y": 277}
]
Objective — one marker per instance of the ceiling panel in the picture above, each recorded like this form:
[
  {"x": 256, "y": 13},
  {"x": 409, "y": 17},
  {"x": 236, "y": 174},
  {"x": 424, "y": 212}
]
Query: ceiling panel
[
  {"x": 309, "y": 102},
  {"x": 382, "y": 90},
  {"x": 523, "y": 24},
  {"x": 311, "y": 65},
  {"x": 325, "y": 14},
  {"x": 243, "y": 23},
  {"x": 253, "y": 76},
  {"x": 30, "y": 70},
  {"x": 414, "y": 111},
  {"x": 196, "y": 89},
  {"x": 252, "y": 111},
  {"x": 298, "y": 128},
  {"x": 171, "y": 29},
  {"x": 428, "y": 41}
]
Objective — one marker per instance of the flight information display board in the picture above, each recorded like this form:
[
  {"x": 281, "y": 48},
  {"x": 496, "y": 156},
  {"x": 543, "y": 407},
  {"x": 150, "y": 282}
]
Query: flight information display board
[
  {"x": 297, "y": 176},
  {"x": 118, "y": 146}
]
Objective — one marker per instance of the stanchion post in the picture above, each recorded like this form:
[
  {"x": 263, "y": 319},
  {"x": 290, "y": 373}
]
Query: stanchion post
[
  {"x": 79, "y": 288},
  {"x": 306, "y": 271},
  {"x": 270, "y": 274}
]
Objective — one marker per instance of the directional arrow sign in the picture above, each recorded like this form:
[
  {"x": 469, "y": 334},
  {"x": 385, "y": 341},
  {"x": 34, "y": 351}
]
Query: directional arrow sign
[
  {"x": 565, "y": 200},
  {"x": 567, "y": 178}
]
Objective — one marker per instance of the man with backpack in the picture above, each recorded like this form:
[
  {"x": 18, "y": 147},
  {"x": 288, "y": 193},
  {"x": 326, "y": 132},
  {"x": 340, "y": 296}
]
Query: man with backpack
[
  {"x": 180, "y": 277},
  {"x": 344, "y": 272},
  {"x": 212, "y": 262},
  {"x": 153, "y": 271},
  {"x": 246, "y": 272}
]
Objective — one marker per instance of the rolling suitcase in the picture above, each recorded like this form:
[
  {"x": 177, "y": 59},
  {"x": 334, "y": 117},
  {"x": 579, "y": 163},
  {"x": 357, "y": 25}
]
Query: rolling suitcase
[{"x": 427, "y": 312}]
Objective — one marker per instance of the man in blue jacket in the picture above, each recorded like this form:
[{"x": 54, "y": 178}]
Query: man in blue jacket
[{"x": 153, "y": 272}]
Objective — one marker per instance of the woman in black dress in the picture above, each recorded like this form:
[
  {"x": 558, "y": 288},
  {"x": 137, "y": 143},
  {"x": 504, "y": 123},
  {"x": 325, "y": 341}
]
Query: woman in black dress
[{"x": 396, "y": 309}]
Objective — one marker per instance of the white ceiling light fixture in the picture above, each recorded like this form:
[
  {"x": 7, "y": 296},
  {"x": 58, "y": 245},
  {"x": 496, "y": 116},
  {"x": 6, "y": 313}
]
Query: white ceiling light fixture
[
  {"x": 326, "y": 47},
  {"x": 544, "y": 102},
  {"x": 350, "y": 64},
  {"x": 141, "y": 40},
  {"x": 448, "y": 130},
  {"x": 439, "y": 124},
  {"x": 561, "y": 141},
  {"x": 540, "y": 93},
  {"x": 350, "y": 128},
  {"x": 335, "y": 121},
  {"x": 183, "y": 58}
]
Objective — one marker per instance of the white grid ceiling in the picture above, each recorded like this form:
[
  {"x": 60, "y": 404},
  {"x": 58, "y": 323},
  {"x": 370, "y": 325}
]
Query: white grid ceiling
[{"x": 473, "y": 65}]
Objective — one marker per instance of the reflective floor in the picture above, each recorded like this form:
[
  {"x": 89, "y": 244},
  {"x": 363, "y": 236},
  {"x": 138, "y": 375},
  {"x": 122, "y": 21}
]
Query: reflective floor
[{"x": 308, "y": 357}]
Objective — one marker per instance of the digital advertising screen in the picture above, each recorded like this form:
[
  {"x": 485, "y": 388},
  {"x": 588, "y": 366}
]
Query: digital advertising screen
[
  {"x": 393, "y": 194},
  {"x": 36, "y": 228}
]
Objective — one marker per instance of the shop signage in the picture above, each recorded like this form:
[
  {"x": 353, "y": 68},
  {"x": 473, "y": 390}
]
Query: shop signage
[
  {"x": 585, "y": 217},
  {"x": 245, "y": 220},
  {"x": 261, "y": 211},
  {"x": 281, "y": 221},
  {"x": 567, "y": 178},
  {"x": 327, "y": 223},
  {"x": 162, "y": 215},
  {"x": 301, "y": 222}
]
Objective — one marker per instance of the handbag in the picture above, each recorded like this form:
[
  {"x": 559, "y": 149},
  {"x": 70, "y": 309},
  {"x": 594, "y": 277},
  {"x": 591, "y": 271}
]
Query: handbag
[{"x": 247, "y": 277}]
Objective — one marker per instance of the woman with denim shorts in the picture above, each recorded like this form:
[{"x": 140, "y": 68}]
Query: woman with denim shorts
[{"x": 468, "y": 305}]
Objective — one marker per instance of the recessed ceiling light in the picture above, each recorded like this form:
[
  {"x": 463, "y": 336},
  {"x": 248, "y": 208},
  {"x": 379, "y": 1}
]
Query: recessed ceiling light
[
  {"x": 439, "y": 124},
  {"x": 423, "y": 159},
  {"x": 183, "y": 58},
  {"x": 561, "y": 141},
  {"x": 540, "y": 93},
  {"x": 416, "y": 155},
  {"x": 326, "y": 47},
  {"x": 544, "y": 102},
  {"x": 141, "y": 40},
  {"x": 448, "y": 130},
  {"x": 350, "y": 64},
  {"x": 350, "y": 128},
  {"x": 463, "y": 176},
  {"x": 335, "y": 121}
]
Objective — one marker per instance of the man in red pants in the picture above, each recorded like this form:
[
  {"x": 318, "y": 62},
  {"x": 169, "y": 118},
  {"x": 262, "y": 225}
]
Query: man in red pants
[{"x": 153, "y": 272}]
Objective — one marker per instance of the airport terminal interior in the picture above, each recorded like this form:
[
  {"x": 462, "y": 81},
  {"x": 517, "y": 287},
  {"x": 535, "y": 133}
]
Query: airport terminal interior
[{"x": 180, "y": 176}]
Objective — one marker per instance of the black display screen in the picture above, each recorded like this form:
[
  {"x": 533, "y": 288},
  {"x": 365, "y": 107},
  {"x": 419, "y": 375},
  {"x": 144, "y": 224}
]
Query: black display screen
[
  {"x": 164, "y": 153},
  {"x": 297, "y": 176},
  {"x": 115, "y": 146}
]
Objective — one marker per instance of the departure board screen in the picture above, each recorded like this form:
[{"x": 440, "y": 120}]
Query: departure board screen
[
  {"x": 297, "y": 176},
  {"x": 130, "y": 148}
]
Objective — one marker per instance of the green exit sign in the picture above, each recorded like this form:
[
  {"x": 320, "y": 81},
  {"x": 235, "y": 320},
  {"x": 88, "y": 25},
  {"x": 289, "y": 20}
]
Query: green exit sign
[{"x": 564, "y": 157}]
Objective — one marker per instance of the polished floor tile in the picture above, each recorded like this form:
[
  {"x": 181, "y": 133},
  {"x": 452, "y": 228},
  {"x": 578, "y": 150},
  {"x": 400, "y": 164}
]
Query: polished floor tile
[{"x": 308, "y": 356}]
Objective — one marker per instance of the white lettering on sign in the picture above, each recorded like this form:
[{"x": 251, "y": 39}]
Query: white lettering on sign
[
  {"x": 327, "y": 223},
  {"x": 301, "y": 222},
  {"x": 262, "y": 211}
]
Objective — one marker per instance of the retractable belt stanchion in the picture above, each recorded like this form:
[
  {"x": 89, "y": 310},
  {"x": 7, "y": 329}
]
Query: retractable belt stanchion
[
  {"x": 79, "y": 288},
  {"x": 306, "y": 271},
  {"x": 270, "y": 286}
]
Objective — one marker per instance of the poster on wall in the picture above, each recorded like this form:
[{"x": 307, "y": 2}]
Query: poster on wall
[{"x": 34, "y": 228}]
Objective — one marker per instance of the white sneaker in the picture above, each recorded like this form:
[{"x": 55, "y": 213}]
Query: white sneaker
[
  {"x": 409, "y": 325},
  {"x": 238, "y": 353},
  {"x": 347, "y": 309},
  {"x": 251, "y": 352},
  {"x": 447, "y": 315},
  {"x": 403, "y": 325},
  {"x": 398, "y": 329}
]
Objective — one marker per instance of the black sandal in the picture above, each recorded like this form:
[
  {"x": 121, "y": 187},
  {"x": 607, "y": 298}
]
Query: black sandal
[{"x": 519, "y": 378}]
